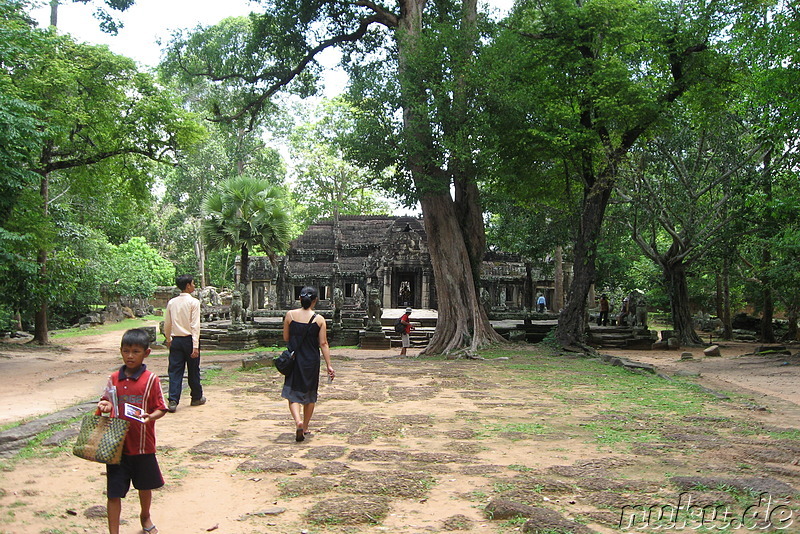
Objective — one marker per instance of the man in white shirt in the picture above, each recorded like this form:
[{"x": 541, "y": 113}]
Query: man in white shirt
[{"x": 182, "y": 330}]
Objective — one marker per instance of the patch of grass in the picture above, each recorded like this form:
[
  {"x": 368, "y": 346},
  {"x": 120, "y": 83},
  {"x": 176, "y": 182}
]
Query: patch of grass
[
  {"x": 534, "y": 429},
  {"x": 125, "y": 324},
  {"x": 513, "y": 524},
  {"x": 642, "y": 398},
  {"x": 608, "y": 433},
  {"x": 178, "y": 473},
  {"x": 520, "y": 468},
  {"x": 43, "y": 514},
  {"x": 9, "y": 426},
  {"x": 224, "y": 376},
  {"x": 793, "y": 434},
  {"x": 34, "y": 448},
  {"x": 243, "y": 352}
]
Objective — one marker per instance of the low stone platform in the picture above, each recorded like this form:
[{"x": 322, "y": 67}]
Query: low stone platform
[{"x": 622, "y": 337}]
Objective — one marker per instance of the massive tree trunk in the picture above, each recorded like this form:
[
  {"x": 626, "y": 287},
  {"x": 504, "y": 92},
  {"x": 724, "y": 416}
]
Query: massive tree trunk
[
  {"x": 456, "y": 238},
  {"x": 462, "y": 320},
  {"x": 727, "y": 319},
  {"x": 54, "y": 13},
  {"x": 244, "y": 264},
  {"x": 41, "y": 333},
  {"x": 767, "y": 331},
  {"x": 571, "y": 329},
  {"x": 791, "y": 316},
  {"x": 674, "y": 272},
  {"x": 558, "y": 293}
]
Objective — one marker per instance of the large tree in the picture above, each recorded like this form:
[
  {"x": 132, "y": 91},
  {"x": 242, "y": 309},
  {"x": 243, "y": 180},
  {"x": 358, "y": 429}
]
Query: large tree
[
  {"x": 326, "y": 184},
  {"x": 425, "y": 51},
  {"x": 686, "y": 187},
  {"x": 234, "y": 147},
  {"x": 244, "y": 213},
  {"x": 767, "y": 41},
  {"x": 604, "y": 73},
  {"x": 97, "y": 112}
]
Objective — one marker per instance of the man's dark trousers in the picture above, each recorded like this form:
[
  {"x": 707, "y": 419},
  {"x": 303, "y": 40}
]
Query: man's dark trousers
[{"x": 180, "y": 358}]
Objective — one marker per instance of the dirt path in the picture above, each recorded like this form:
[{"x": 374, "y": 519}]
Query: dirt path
[{"x": 417, "y": 445}]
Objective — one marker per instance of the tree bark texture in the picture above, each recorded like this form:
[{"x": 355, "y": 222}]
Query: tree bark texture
[
  {"x": 678, "y": 289},
  {"x": 792, "y": 332},
  {"x": 767, "y": 316},
  {"x": 462, "y": 321},
  {"x": 768, "y": 313},
  {"x": 200, "y": 251},
  {"x": 571, "y": 331},
  {"x": 41, "y": 332},
  {"x": 558, "y": 293},
  {"x": 244, "y": 264},
  {"x": 54, "y": 13},
  {"x": 456, "y": 236},
  {"x": 727, "y": 319}
]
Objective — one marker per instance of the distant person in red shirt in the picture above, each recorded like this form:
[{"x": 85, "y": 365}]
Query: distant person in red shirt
[
  {"x": 140, "y": 389},
  {"x": 405, "y": 337}
]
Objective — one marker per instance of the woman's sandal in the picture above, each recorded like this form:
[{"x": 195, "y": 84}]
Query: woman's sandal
[
  {"x": 299, "y": 434},
  {"x": 150, "y": 529}
]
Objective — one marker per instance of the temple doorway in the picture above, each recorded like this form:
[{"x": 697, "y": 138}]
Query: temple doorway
[{"x": 405, "y": 294}]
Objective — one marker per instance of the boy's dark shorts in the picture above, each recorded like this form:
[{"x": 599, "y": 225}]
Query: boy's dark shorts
[{"x": 141, "y": 469}]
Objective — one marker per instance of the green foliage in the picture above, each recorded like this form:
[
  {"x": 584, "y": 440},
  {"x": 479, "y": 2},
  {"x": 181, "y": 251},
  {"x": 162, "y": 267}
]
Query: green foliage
[
  {"x": 245, "y": 213},
  {"x": 82, "y": 127},
  {"x": 243, "y": 63},
  {"x": 104, "y": 14},
  {"x": 134, "y": 269},
  {"x": 327, "y": 185}
]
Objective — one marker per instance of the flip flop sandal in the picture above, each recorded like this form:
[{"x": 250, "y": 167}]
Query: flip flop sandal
[
  {"x": 150, "y": 529},
  {"x": 299, "y": 435}
]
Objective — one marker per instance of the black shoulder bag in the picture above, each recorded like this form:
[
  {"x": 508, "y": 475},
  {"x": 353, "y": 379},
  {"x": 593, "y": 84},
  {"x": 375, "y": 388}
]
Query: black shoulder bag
[{"x": 285, "y": 362}]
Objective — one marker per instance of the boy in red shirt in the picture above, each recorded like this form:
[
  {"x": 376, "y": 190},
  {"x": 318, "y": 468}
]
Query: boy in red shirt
[{"x": 134, "y": 393}]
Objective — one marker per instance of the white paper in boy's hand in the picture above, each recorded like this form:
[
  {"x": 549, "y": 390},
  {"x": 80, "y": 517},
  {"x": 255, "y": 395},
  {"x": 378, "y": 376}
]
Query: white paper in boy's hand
[{"x": 134, "y": 412}]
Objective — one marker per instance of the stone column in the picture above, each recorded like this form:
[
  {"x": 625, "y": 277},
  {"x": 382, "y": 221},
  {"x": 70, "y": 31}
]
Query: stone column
[
  {"x": 387, "y": 288},
  {"x": 426, "y": 290}
]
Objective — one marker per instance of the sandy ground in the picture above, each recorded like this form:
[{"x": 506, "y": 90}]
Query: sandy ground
[{"x": 381, "y": 419}]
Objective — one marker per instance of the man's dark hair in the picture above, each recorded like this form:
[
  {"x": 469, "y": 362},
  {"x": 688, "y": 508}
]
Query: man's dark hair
[
  {"x": 135, "y": 337},
  {"x": 184, "y": 280}
]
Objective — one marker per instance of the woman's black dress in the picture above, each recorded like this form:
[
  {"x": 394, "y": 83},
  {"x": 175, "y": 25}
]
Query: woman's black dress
[{"x": 302, "y": 383}]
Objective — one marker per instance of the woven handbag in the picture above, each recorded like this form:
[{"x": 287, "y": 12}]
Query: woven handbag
[{"x": 101, "y": 439}]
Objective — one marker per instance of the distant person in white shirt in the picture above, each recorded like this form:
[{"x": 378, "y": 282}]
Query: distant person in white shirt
[
  {"x": 182, "y": 330},
  {"x": 541, "y": 303}
]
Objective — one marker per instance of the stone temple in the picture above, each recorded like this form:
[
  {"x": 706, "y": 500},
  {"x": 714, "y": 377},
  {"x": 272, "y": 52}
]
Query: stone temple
[{"x": 355, "y": 256}]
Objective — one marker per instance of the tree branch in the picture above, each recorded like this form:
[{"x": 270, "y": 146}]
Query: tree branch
[{"x": 301, "y": 65}]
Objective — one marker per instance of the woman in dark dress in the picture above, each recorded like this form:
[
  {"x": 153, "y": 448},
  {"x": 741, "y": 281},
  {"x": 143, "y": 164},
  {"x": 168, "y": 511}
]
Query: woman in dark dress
[{"x": 300, "y": 386}]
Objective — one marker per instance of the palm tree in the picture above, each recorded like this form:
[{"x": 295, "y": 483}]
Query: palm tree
[{"x": 243, "y": 213}]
